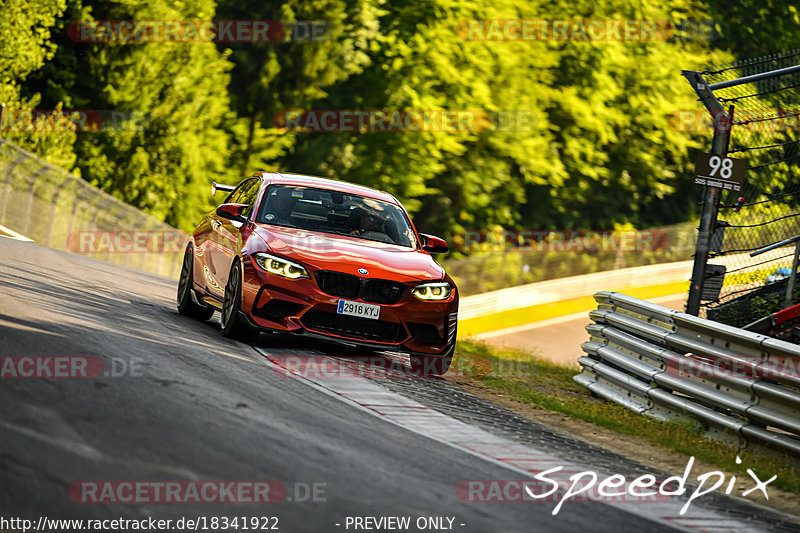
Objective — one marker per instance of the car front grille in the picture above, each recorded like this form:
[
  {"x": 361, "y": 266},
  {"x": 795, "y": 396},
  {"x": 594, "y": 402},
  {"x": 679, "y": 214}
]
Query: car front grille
[
  {"x": 381, "y": 291},
  {"x": 338, "y": 284},
  {"x": 354, "y": 327},
  {"x": 378, "y": 291}
]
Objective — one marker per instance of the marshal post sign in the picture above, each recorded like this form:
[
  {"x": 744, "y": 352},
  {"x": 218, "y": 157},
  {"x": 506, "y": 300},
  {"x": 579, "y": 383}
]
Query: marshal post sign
[{"x": 719, "y": 171}]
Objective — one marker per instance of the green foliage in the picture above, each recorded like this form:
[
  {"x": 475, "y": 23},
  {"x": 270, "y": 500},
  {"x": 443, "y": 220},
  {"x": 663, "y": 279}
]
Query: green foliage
[
  {"x": 25, "y": 37},
  {"x": 163, "y": 162},
  {"x": 592, "y": 144},
  {"x": 599, "y": 150},
  {"x": 751, "y": 28},
  {"x": 624, "y": 160},
  {"x": 467, "y": 178},
  {"x": 25, "y": 46},
  {"x": 270, "y": 77}
]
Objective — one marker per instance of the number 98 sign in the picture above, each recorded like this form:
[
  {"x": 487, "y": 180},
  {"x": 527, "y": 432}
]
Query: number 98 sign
[{"x": 720, "y": 171}]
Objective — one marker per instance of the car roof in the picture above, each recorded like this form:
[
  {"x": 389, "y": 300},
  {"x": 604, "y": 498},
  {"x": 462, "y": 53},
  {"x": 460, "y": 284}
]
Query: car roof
[{"x": 324, "y": 183}]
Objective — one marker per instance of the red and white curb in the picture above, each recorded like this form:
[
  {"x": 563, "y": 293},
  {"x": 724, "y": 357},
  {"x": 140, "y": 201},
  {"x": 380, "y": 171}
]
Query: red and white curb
[{"x": 526, "y": 461}]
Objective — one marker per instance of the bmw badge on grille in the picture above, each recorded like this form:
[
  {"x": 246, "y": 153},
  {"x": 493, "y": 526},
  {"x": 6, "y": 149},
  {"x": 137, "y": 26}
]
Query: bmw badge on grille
[{"x": 363, "y": 271}]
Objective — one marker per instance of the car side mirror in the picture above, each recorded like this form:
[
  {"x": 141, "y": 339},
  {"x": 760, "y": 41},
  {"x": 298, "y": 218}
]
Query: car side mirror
[
  {"x": 433, "y": 245},
  {"x": 232, "y": 212}
]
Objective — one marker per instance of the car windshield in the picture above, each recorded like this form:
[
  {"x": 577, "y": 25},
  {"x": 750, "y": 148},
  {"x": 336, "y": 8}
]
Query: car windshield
[{"x": 335, "y": 212}]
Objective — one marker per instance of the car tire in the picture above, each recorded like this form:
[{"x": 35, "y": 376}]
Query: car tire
[
  {"x": 187, "y": 304},
  {"x": 432, "y": 365},
  {"x": 233, "y": 324}
]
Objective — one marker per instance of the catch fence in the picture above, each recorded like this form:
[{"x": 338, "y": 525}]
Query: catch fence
[{"x": 755, "y": 108}]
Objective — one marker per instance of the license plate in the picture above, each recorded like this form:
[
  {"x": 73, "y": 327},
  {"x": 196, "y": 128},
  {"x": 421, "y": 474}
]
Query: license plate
[{"x": 359, "y": 309}]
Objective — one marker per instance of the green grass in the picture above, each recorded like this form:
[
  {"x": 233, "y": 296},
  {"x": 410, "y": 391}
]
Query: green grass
[
  {"x": 546, "y": 385},
  {"x": 535, "y": 313}
]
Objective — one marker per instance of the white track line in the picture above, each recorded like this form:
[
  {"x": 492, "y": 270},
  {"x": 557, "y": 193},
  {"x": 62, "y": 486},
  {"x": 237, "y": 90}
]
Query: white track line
[{"x": 11, "y": 234}]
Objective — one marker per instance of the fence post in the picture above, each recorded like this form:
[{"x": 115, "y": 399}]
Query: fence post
[
  {"x": 789, "y": 299},
  {"x": 708, "y": 216}
]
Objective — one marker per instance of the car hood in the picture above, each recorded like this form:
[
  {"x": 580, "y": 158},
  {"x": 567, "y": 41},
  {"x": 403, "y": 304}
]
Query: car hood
[{"x": 347, "y": 254}]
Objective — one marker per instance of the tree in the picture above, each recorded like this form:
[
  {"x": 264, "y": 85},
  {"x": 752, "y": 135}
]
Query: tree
[
  {"x": 291, "y": 72},
  {"x": 25, "y": 46},
  {"x": 451, "y": 177},
  {"x": 164, "y": 160}
]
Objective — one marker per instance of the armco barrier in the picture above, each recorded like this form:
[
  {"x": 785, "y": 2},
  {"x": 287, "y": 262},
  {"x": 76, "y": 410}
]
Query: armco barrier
[
  {"x": 741, "y": 386},
  {"x": 49, "y": 205}
]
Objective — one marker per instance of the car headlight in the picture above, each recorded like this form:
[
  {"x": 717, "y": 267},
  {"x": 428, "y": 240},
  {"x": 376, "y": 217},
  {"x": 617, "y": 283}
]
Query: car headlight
[
  {"x": 280, "y": 267},
  {"x": 432, "y": 291}
]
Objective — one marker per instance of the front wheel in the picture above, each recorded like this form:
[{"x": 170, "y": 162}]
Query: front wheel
[
  {"x": 233, "y": 325},
  {"x": 187, "y": 305}
]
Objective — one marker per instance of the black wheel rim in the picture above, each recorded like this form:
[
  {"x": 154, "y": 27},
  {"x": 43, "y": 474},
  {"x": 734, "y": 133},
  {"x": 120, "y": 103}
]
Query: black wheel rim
[
  {"x": 229, "y": 301},
  {"x": 183, "y": 282}
]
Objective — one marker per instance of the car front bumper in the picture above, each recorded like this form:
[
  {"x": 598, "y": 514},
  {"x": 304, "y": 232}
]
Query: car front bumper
[{"x": 299, "y": 306}]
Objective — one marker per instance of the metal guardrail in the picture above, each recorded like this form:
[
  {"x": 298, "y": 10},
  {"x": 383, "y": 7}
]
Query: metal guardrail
[
  {"x": 55, "y": 208},
  {"x": 742, "y": 387}
]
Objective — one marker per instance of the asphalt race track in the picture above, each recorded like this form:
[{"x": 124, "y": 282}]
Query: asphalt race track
[{"x": 179, "y": 402}]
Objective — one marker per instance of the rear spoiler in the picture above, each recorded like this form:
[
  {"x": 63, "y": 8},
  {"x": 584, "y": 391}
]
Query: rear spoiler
[{"x": 220, "y": 187}]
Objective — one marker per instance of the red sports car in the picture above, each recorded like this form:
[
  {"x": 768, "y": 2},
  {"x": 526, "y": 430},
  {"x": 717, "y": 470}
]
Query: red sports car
[{"x": 321, "y": 258}]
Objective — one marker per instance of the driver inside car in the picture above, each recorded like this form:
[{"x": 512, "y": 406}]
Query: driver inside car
[{"x": 365, "y": 221}]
